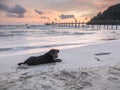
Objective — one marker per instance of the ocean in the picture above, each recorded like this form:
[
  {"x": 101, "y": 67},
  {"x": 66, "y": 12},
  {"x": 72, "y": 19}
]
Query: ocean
[{"x": 20, "y": 39}]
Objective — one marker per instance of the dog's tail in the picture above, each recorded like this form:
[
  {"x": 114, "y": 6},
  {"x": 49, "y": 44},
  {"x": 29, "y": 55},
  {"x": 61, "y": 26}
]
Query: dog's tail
[{"x": 21, "y": 63}]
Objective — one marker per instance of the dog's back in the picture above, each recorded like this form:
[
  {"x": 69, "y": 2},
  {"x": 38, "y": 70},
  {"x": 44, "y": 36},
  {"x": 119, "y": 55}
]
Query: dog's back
[{"x": 37, "y": 60}]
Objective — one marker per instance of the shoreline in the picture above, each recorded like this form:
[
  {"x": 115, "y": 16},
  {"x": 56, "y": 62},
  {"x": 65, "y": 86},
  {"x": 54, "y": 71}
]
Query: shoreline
[{"x": 84, "y": 56}]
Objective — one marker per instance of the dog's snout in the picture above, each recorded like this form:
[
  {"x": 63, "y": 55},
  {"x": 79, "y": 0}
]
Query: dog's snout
[
  {"x": 56, "y": 56},
  {"x": 58, "y": 51}
]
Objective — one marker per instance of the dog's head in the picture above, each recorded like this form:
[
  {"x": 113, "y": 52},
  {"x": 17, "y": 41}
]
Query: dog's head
[{"x": 53, "y": 53}]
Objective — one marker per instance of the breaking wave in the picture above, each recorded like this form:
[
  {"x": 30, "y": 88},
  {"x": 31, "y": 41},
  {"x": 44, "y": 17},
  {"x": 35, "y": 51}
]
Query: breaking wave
[{"x": 36, "y": 47}]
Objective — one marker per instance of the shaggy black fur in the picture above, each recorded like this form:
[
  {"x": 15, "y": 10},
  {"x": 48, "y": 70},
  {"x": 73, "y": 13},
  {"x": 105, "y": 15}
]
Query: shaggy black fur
[{"x": 48, "y": 57}]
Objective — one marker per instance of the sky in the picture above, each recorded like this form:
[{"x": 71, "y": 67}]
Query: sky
[{"x": 43, "y": 11}]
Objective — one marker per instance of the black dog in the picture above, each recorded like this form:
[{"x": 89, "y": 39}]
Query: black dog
[{"x": 48, "y": 57}]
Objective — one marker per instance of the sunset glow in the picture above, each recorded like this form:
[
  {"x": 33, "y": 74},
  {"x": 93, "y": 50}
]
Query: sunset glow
[{"x": 42, "y": 11}]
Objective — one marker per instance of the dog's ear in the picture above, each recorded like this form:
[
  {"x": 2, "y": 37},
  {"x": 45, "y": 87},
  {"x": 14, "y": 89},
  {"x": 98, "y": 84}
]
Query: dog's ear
[
  {"x": 51, "y": 52},
  {"x": 55, "y": 50}
]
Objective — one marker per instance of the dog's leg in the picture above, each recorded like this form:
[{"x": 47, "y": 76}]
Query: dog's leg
[{"x": 58, "y": 60}]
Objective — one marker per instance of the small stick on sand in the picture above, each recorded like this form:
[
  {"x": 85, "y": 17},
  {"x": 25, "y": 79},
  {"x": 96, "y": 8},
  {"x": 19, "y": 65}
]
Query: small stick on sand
[{"x": 104, "y": 53}]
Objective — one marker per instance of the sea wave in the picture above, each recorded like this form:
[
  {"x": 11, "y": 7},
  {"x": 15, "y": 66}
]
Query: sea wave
[
  {"x": 68, "y": 32},
  {"x": 36, "y": 47},
  {"x": 38, "y": 30},
  {"x": 83, "y": 33}
]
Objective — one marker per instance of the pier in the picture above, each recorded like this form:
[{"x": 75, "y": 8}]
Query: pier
[{"x": 86, "y": 26}]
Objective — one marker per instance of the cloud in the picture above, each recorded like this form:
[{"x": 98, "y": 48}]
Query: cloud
[
  {"x": 2, "y": 1},
  {"x": 75, "y": 5},
  {"x": 18, "y": 10},
  {"x": 39, "y": 12},
  {"x": 12, "y": 15},
  {"x": 67, "y": 5},
  {"x": 3, "y": 7},
  {"x": 44, "y": 17},
  {"x": 15, "y": 11},
  {"x": 103, "y": 4},
  {"x": 63, "y": 16},
  {"x": 79, "y": 6}
]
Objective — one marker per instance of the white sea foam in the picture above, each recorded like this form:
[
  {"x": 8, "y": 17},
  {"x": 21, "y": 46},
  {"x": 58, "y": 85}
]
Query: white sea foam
[{"x": 17, "y": 39}]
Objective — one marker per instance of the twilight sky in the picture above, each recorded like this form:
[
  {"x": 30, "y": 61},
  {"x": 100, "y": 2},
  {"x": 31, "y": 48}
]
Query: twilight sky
[{"x": 41, "y": 11}]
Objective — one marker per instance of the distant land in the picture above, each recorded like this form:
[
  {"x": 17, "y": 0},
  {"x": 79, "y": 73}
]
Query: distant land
[{"x": 111, "y": 16}]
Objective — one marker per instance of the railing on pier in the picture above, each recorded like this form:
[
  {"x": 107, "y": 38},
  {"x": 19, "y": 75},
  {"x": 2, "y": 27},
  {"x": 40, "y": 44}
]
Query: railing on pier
[{"x": 87, "y": 26}]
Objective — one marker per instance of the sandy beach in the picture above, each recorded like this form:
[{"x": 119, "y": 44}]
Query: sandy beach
[
  {"x": 92, "y": 67},
  {"x": 81, "y": 37}
]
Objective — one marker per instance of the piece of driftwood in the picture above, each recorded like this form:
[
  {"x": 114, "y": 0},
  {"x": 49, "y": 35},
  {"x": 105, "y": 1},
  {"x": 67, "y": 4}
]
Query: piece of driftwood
[
  {"x": 97, "y": 59},
  {"x": 103, "y": 53},
  {"x": 109, "y": 39}
]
